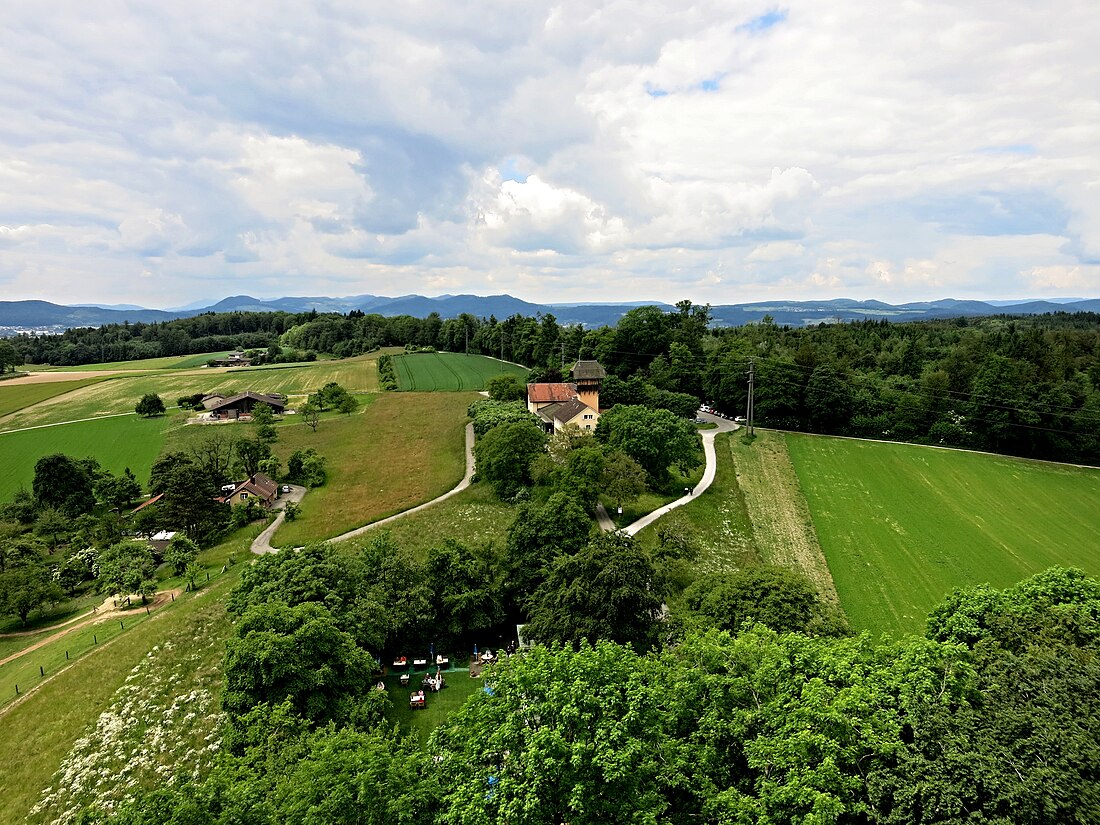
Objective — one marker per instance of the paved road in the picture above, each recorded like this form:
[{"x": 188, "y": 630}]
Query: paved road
[
  {"x": 724, "y": 426},
  {"x": 262, "y": 544}
]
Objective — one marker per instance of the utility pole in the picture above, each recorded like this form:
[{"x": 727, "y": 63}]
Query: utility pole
[
  {"x": 748, "y": 409},
  {"x": 467, "y": 337}
]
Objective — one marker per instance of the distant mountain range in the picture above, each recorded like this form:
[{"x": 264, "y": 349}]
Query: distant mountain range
[{"x": 43, "y": 316}]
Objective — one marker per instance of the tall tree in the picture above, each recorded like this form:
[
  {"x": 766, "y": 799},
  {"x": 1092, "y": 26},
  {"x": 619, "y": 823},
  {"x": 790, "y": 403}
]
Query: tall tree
[
  {"x": 656, "y": 439},
  {"x": 608, "y": 590},
  {"x": 504, "y": 456},
  {"x": 63, "y": 482},
  {"x": 127, "y": 568}
]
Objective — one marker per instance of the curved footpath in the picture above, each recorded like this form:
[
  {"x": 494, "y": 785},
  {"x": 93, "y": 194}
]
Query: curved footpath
[
  {"x": 262, "y": 544},
  {"x": 724, "y": 426}
]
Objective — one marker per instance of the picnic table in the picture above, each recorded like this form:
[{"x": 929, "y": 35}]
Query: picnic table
[
  {"x": 418, "y": 701},
  {"x": 442, "y": 661},
  {"x": 400, "y": 661},
  {"x": 404, "y": 680},
  {"x": 420, "y": 662}
]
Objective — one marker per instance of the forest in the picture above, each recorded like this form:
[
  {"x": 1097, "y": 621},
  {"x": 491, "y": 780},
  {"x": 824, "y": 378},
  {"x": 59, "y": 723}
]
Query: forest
[
  {"x": 1023, "y": 386},
  {"x": 990, "y": 717}
]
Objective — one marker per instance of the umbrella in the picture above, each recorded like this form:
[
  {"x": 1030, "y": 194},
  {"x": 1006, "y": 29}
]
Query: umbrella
[{"x": 431, "y": 655}]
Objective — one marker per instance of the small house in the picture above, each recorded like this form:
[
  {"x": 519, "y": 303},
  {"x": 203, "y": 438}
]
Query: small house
[{"x": 257, "y": 486}]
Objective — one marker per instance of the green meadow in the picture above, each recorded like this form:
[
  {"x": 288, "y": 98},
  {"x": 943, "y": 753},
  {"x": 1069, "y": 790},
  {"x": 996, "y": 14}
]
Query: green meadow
[
  {"x": 15, "y": 397},
  {"x": 449, "y": 371},
  {"x": 120, "y": 393},
  {"x": 167, "y": 362},
  {"x": 901, "y": 525},
  {"x": 117, "y": 443}
]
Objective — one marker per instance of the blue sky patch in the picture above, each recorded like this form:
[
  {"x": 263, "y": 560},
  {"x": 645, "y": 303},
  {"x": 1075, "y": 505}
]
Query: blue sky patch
[
  {"x": 1011, "y": 149},
  {"x": 1017, "y": 212},
  {"x": 764, "y": 22},
  {"x": 712, "y": 84},
  {"x": 510, "y": 170},
  {"x": 653, "y": 91}
]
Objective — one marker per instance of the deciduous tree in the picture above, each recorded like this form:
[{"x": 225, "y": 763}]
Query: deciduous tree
[{"x": 150, "y": 405}]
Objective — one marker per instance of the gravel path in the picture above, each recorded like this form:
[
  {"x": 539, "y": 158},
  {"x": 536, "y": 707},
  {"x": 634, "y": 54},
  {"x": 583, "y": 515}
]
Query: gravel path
[
  {"x": 262, "y": 544},
  {"x": 723, "y": 426}
]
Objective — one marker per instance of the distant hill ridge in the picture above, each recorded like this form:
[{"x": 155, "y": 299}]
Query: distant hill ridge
[{"x": 46, "y": 315}]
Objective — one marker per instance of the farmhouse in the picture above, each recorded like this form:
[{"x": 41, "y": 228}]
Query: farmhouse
[
  {"x": 240, "y": 406},
  {"x": 257, "y": 486},
  {"x": 234, "y": 359},
  {"x": 578, "y": 402}
]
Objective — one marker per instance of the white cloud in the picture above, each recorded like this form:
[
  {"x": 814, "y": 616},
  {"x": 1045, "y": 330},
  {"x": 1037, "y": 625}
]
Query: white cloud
[{"x": 670, "y": 150}]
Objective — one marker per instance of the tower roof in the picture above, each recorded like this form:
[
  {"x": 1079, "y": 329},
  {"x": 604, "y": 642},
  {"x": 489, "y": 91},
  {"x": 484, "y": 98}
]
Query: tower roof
[{"x": 588, "y": 371}]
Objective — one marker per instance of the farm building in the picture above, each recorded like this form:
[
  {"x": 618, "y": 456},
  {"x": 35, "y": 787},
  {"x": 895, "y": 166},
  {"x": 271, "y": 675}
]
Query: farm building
[
  {"x": 558, "y": 404},
  {"x": 239, "y": 406},
  {"x": 234, "y": 359}
]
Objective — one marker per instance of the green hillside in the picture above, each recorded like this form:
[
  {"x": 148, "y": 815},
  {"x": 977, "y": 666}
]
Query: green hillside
[
  {"x": 902, "y": 525},
  {"x": 117, "y": 443}
]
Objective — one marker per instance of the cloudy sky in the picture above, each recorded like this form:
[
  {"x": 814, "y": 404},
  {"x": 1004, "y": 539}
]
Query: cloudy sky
[{"x": 163, "y": 153}]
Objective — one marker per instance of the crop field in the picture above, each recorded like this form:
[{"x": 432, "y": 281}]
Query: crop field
[
  {"x": 117, "y": 443},
  {"x": 449, "y": 371},
  {"x": 901, "y": 525},
  {"x": 121, "y": 393},
  {"x": 18, "y": 396},
  {"x": 402, "y": 450}
]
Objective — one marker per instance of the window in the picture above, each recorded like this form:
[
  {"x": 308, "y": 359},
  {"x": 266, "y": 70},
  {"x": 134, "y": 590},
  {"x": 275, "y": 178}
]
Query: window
[
  {"x": 244, "y": 496},
  {"x": 588, "y": 416}
]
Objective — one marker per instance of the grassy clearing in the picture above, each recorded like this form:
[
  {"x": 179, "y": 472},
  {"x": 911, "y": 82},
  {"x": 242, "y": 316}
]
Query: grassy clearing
[
  {"x": 718, "y": 518},
  {"x": 449, "y": 371},
  {"x": 136, "y": 711},
  {"x": 650, "y": 501},
  {"x": 167, "y": 362},
  {"x": 902, "y": 525},
  {"x": 15, "y": 397},
  {"x": 400, "y": 451},
  {"x": 117, "y": 443},
  {"x": 475, "y": 517},
  {"x": 118, "y": 394},
  {"x": 421, "y": 723}
]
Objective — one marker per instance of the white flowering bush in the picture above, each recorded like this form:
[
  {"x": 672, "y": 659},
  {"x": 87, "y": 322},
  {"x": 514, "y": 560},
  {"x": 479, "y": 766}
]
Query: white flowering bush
[{"x": 163, "y": 726}]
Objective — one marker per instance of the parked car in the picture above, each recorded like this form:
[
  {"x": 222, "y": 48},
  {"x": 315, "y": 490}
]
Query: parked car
[
  {"x": 286, "y": 488},
  {"x": 740, "y": 420}
]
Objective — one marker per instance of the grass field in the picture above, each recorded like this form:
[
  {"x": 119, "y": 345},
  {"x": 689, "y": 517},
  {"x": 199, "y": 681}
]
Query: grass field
[
  {"x": 402, "y": 450},
  {"x": 719, "y": 519},
  {"x": 117, "y": 443},
  {"x": 121, "y": 393},
  {"x": 129, "y": 713},
  {"x": 475, "y": 517},
  {"x": 449, "y": 371},
  {"x": 420, "y": 723},
  {"x": 17, "y": 396},
  {"x": 902, "y": 525},
  {"x": 168, "y": 362}
]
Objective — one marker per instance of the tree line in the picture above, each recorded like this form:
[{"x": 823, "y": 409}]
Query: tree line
[{"x": 1027, "y": 386}]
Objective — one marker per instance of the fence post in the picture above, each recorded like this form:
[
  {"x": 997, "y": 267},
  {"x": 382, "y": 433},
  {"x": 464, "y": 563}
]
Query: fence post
[
  {"x": 41, "y": 672},
  {"x": 66, "y": 655},
  {"x": 95, "y": 639},
  {"x": 120, "y": 624},
  {"x": 17, "y": 690}
]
